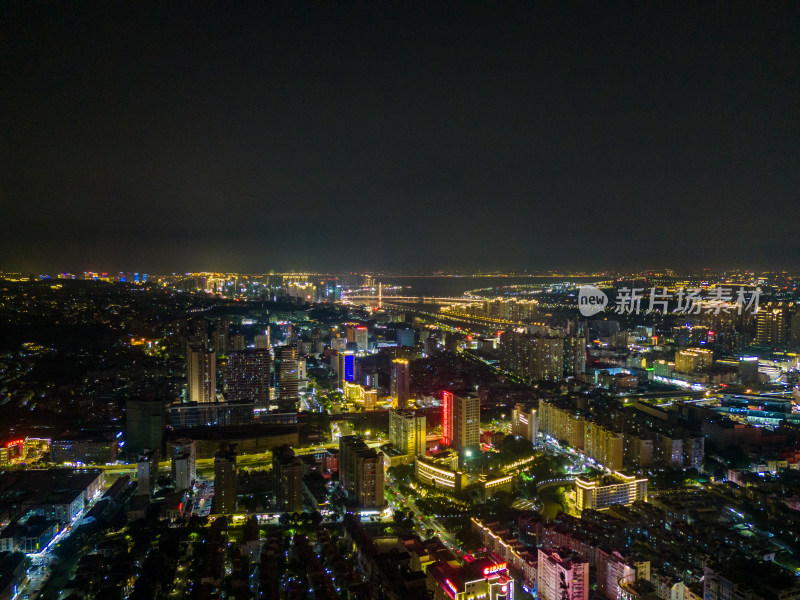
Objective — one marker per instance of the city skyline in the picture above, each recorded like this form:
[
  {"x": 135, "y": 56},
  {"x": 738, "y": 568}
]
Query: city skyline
[{"x": 402, "y": 137}]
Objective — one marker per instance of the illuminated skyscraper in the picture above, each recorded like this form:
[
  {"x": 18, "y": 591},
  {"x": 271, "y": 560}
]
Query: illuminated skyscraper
[
  {"x": 461, "y": 421},
  {"x": 400, "y": 382},
  {"x": 201, "y": 373},
  {"x": 407, "y": 432}
]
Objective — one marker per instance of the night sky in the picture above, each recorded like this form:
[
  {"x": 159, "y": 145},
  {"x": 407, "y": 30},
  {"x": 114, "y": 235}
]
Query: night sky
[{"x": 332, "y": 135}]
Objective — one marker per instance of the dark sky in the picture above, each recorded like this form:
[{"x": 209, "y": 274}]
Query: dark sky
[{"x": 333, "y": 135}]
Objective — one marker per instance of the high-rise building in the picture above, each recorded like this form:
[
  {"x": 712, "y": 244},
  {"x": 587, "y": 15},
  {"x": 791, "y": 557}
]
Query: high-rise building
[
  {"x": 184, "y": 463},
  {"x": 237, "y": 342},
  {"x": 287, "y": 473},
  {"x": 547, "y": 359},
  {"x": 288, "y": 382},
  {"x": 615, "y": 568},
  {"x": 349, "y": 446},
  {"x": 145, "y": 421},
  {"x": 358, "y": 334},
  {"x": 461, "y": 421},
  {"x": 346, "y": 367},
  {"x": 401, "y": 382},
  {"x": 221, "y": 337},
  {"x": 540, "y": 358},
  {"x": 693, "y": 360},
  {"x": 261, "y": 341},
  {"x": 370, "y": 399},
  {"x": 225, "y": 481},
  {"x": 604, "y": 445},
  {"x": 361, "y": 472},
  {"x": 201, "y": 373},
  {"x": 748, "y": 369},
  {"x": 370, "y": 479},
  {"x": 773, "y": 323},
  {"x": 561, "y": 423},
  {"x": 562, "y": 575},
  {"x": 405, "y": 337},
  {"x": 407, "y": 432},
  {"x": 247, "y": 378},
  {"x": 147, "y": 471},
  {"x": 525, "y": 422}
]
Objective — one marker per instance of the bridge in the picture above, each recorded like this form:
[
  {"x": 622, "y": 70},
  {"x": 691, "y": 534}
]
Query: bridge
[{"x": 380, "y": 299}]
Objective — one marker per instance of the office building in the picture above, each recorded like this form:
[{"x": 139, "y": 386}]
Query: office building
[
  {"x": 201, "y": 373},
  {"x": 184, "y": 463},
  {"x": 608, "y": 490},
  {"x": 401, "y": 380},
  {"x": 144, "y": 425},
  {"x": 225, "y": 474},
  {"x": 407, "y": 432},
  {"x": 562, "y": 575},
  {"x": 525, "y": 422},
  {"x": 248, "y": 376},
  {"x": 147, "y": 471},
  {"x": 287, "y": 474}
]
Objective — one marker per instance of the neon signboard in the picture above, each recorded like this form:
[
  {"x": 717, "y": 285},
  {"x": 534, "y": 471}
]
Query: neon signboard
[
  {"x": 495, "y": 568},
  {"x": 15, "y": 443},
  {"x": 447, "y": 418}
]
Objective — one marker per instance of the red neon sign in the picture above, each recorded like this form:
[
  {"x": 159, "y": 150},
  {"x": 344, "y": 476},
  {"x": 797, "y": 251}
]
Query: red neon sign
[
  {"x": 15, "y": 443},
  {"x": 495, "y": 568},
  {"x": 447, "y": 418}
]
